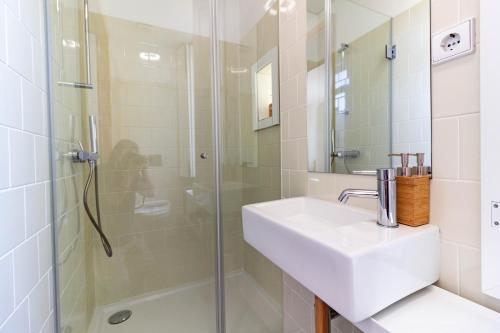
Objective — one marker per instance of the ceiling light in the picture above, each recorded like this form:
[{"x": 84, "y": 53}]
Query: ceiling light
[
  {"x": 70, "y": 43},
  {"x": 287, "y": 5},
  {"x": 149, "y": 56},
  {"x": 268, "y": 7},
  {"x": 238, "y": 70}
]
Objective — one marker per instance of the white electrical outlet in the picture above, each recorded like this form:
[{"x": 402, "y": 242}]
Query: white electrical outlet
[{"x": 454, "y": 42}]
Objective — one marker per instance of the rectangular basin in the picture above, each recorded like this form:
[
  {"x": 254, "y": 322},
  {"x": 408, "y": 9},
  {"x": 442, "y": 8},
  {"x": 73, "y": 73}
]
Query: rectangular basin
[{"x": 341, "y": 254}]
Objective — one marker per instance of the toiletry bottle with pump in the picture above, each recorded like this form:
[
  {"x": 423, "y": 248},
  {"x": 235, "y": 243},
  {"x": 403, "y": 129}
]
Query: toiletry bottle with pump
[{"x": 412, "y": 191}]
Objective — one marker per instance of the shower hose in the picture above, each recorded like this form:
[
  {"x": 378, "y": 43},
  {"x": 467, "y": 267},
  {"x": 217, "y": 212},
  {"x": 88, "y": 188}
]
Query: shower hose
[{"x": 96, "y": 221}]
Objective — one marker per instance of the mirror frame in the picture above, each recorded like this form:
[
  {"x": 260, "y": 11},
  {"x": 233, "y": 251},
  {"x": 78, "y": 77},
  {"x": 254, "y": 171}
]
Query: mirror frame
[{"x": 271, "y": 57}]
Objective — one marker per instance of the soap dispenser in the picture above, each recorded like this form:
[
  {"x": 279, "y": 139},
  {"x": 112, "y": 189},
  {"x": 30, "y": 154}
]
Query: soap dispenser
[
  {"x": 404, "y": 169},
  {"x": 412, "y": 191},
  {"x": 420, "y": 169}
]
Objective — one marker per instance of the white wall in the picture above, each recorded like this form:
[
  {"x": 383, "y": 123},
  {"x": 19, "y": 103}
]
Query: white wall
[{"x": 25, "y": 234}]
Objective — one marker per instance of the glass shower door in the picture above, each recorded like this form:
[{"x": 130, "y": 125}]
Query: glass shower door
[
  {"x": 248, "y": 45},
  {"x": 150, "y": 92},
  {"x": 361, "y": 88}
]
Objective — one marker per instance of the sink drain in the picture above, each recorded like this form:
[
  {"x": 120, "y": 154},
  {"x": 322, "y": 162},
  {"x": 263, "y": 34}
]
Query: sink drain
[{"x": 119, "y": 317}]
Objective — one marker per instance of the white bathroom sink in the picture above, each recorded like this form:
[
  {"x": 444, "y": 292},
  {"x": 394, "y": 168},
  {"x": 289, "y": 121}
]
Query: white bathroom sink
[{"x": 341, "y": 254}]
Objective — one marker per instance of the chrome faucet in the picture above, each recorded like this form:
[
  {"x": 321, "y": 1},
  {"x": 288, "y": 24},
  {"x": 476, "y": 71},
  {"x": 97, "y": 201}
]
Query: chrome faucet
[{"x": 385, "y": 195}]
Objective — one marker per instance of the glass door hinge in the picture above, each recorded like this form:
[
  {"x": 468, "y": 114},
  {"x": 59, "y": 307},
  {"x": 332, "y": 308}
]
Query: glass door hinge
[{"x": 390, "y": 52}]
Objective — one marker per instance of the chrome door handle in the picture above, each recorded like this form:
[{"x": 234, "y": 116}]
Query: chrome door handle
[{"x": 88, "y": 84}]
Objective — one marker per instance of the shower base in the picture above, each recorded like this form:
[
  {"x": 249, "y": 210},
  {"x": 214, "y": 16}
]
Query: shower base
[{"x": 191, "y": 308}]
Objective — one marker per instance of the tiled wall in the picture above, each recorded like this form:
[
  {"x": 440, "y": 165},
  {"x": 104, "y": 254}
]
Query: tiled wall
[
  {"x": 363, "y": 124},
  {"x": 25, "y": 233},
  {"x": 260, "y": 175},
  {"x": 455, "y": 195}
]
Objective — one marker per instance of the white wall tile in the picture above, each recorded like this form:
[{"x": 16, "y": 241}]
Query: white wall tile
[
  {"x": 35, "y": 208},
  {"x": 455, "y": 87},
  {"x": 445, "y": 150},
  {"x": 49, "y": 325},
  {"x": 26, "y": 257},
  {"x": 6, "y": 287},
  {"x": 22, "y": 161},
  {"x": 42, "y": 158},
  {"x": 10, "y": 95},
  {"x": 13, "y": 6},
  {"x": 39, "y": 69},
  {"x": 32, "y": 108},
  {"x": 470, "y": 148},
  {"x": 39, "y": 304},
  {"x": 449, "y": 276},
  {"x": 470, "y": 273},
  {"x": 45, "y": 250},
  {"x": 11, "y": 219},
  {"x": 19, "y": 47},
  {"x": 30, "y": 16},
  {"x": 4, "y": 162},
  {"x": 445, "y": 14},
  {"x": 25, "y": 268},
  {"x": 3, "y": 50},
  {"x": 19, "y": 321},
  {"x": 455, "y": 208}
]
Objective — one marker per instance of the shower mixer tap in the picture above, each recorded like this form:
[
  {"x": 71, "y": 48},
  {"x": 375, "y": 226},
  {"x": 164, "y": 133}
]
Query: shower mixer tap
[{"x": 81, "y": 156}]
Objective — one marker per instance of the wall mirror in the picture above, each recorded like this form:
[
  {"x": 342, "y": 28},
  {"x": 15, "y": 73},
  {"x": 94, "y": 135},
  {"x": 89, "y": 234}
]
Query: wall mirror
[
  {"x": 368, "y": 82},
  {"x": 265, "y": 91}
]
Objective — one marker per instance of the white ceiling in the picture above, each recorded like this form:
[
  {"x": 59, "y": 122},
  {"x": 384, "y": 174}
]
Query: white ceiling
[
  {"x": 390, "y": 8},
  {"x": 236, "y": 17}
]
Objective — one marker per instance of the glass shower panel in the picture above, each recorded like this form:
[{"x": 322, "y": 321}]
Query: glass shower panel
[
  {"x": 151, "y": 96},
  {"x": 251, "y": 170},
  {"x": 361, "y": 87}
]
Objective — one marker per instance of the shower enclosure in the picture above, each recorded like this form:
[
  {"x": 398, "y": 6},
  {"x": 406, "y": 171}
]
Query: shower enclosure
[{"x": 155, "y": 97}]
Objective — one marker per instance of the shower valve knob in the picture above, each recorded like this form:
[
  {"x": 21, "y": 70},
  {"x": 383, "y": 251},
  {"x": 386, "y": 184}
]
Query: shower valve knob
[{"x": 204, "y": 156}]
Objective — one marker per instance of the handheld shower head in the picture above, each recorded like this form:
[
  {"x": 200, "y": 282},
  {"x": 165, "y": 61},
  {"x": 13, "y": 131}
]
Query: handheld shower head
[{"x": 93, "y": 134}]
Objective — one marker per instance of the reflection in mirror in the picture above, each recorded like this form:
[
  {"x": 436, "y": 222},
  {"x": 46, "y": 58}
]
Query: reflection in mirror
[
  {"x": 380, "y": 88},
  {"x": 265, "y": 92},
  {"x": 265, "y": 100},
  {"x": 318, "y": 120}
]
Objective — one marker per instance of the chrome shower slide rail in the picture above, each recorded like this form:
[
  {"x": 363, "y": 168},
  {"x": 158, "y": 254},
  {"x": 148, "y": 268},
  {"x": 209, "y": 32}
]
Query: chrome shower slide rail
[{"x": 88, "y": 84}]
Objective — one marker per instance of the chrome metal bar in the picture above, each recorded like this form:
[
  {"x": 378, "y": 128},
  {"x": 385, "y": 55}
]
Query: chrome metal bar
[
  {"x": 75, "y": 85},
  {"x": 364, "y": 172},
  {"x": 86, "y": 28},
  {"x": 346, "y": 154},
  {"x": 216, "y": 90}
]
